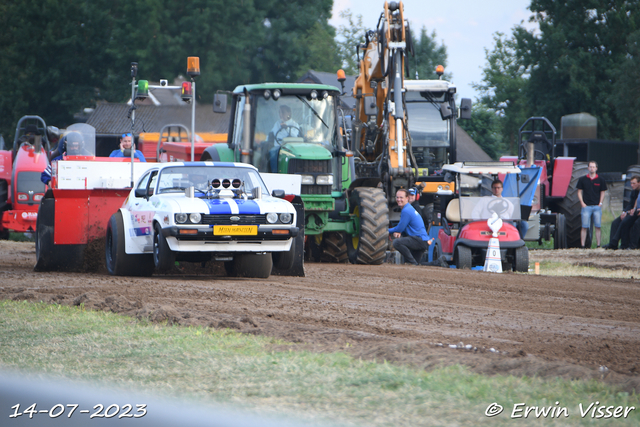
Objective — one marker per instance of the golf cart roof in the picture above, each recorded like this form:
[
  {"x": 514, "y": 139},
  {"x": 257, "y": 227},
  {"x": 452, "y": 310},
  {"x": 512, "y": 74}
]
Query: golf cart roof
[{"x": 492, "y": 168}]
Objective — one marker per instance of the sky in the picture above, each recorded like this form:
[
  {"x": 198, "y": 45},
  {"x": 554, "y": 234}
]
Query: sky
[{"x": 465, "y": 27}]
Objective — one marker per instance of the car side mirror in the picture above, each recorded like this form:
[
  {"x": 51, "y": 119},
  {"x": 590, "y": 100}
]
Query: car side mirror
[
  {"x": 278, "y": 193},
  {"x": 219, "y": 103},
  {"x": 141, "y": 192}
]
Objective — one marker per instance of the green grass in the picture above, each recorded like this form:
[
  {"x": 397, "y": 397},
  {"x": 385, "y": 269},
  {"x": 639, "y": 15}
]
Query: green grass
[{"x": 229, "y": 368}]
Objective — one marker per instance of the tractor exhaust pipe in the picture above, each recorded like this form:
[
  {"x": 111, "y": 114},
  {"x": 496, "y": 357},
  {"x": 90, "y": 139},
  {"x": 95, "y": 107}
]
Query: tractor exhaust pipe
[{"x": 530, "y": 154}]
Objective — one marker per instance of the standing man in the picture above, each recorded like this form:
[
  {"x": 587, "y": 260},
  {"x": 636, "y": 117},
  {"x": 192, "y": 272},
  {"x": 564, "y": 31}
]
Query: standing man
[
  {"x": 411, "y": 224},
  {"x": 126, "y": 141},
  {"x": 591, "y": 190},
  {"x": 620, "y": 226}
]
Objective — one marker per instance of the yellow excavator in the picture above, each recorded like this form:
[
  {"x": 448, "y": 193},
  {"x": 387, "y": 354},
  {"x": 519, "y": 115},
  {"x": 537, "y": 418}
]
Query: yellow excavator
[{"x": 404, "y": 130}]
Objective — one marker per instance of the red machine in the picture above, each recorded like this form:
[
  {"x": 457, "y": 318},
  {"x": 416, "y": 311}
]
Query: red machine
[
  {"x": 85, "y": 191},
  {"x": 556, "y": 205},
  {"x": 464, "y": 234},
  {"x": 20, "y": 187}
]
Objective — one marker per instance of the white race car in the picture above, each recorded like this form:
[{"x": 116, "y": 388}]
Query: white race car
[{"x": 197, "y": 212}]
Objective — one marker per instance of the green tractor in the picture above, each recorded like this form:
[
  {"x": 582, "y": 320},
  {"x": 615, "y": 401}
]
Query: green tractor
[{"x": 296, "y": 128}]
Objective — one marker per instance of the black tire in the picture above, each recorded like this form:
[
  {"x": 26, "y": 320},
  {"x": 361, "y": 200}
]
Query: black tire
[
  {"x": 45, "y": 255},
  {"x": 462, "y": 257},
  {"x": 521, "y": 261},
  {"x": 560, "y": 233},
  {"x": 290, "y": 263},
  {"x": 163, "y": 257},
  {"x": 334, "y": 248},
  {"x": 570, "y": 207},
  {"x": 427, "y": 215},
  {"x": 49, "y": 256},
  {"x": 4, "y": 205},
  {"x": 253, "y": 265},
  {"x": 437, "y": 251},
  {"x": 369, "y": 246},
  {"x": 119, "y": 263}
]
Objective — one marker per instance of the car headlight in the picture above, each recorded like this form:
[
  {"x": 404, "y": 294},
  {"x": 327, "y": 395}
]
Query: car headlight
[
  {"x": 308, "y": 180},
  {"x": 272, "y": 218},
  {"x": 285, "y": 218},
  {"x": 181, "y": 218},
  {"x": 324, "y": 180},
  {"x": 195, "y": 218}
]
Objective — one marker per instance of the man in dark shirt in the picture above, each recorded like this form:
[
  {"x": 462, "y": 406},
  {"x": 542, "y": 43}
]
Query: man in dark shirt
[
  {"x": 626, "y": 218},
  {"x": 591, "y": 189},
  {"x": 416, "y": 239}
]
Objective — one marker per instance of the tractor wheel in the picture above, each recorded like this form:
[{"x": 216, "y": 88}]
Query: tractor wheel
[
  {"x": 560, "y": 234},
  {"x": 253, "y": 265},
  {"x": 119, "y": 263},
  {"x": 50, "y": 256},
  {"x": 521, "y": 262},
  {"x": 291, "y": 262},
  {"x": 462, "y": 257},
  {"x": 570, "y": 207},
  {"x": 369, "y": 246},
  {"x": 334, "y": 248},
  {"x": 163, "y": 257},
  {"x": 427, "y": 215}
]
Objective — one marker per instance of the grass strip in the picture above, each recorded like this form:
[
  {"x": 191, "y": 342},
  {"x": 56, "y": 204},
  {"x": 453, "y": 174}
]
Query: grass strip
[{"x": 226, "y": 367}]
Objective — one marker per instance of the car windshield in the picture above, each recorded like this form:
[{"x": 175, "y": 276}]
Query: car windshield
[
  {"x": 478, "y": 203},
  {"x": 178, "y": 178}
]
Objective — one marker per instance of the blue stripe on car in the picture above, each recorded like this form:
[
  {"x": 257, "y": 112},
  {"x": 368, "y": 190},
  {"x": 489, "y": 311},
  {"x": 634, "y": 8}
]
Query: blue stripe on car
[
  {"x": 217, "y": 206},
  {"x": 248, "y": 207}
]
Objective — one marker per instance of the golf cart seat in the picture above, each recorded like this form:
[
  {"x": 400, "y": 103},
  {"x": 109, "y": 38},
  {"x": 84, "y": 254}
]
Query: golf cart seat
[
  {"x": 452, "y": 214},
  {"x": 453, "y": 210}
]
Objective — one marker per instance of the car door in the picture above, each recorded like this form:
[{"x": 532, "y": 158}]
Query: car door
[{"x": 141, "y": 211}]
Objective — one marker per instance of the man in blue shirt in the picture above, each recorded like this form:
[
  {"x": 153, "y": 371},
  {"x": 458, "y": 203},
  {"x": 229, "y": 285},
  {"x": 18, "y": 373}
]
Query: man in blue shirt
[
  {"x": 411, "y": 224},
  {"x": 125, "y": 144}
]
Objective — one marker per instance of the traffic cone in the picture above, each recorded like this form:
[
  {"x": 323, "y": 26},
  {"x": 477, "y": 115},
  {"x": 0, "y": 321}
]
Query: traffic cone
[{"x": 493, "y": 262}]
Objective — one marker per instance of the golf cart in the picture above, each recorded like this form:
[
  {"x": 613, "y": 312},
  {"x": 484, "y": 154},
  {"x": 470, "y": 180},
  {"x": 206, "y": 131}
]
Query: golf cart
[{"x": 460, "y": 226}]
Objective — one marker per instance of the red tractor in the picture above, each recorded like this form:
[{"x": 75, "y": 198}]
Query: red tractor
[
  {"x": 20, "y": 167},
  {"x": 556, "y": 207}
]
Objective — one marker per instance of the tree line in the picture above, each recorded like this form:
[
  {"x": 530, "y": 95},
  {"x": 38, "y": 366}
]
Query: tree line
[{"x": 58, "y": 56}]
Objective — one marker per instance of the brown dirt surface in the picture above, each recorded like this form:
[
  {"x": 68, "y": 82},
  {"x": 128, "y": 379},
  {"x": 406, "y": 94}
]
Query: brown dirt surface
[{"x": 518, "y": 324}]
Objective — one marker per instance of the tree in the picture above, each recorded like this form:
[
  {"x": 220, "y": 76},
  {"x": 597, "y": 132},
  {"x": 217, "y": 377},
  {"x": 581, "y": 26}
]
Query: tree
[
  {"x": 428, "y": 55},
  {"x": 573, "y": 57},
  {"x": 485, "y": 129},
  {"x": 348, "y": 39},
  {"x": 503, "y": 89},
  {"x": 57, "y": 56}
]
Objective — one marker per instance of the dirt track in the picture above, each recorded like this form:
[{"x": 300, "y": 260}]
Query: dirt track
[{"x": 513, "y": 323}]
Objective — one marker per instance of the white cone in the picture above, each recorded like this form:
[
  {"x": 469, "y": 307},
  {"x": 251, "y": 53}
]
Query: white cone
[{"x": 493, "y": 262}]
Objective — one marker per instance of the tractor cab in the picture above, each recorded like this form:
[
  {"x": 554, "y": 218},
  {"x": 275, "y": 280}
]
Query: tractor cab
[{"x": 462, "y": 233}]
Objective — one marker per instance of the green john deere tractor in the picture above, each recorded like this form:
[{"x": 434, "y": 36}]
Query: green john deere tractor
[{"x": 295, "y": 128}]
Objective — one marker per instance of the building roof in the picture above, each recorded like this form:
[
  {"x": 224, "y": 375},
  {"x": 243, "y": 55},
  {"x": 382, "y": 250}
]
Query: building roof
[
  {"x": 321, "y": 77},
  {"x": 467, "y": 150},
  {"x": 113, "y": 119}
]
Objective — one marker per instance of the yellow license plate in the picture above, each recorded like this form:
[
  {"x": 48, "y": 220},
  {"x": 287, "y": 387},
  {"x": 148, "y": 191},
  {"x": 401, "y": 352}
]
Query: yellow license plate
[{"x": 235, "y": 230}]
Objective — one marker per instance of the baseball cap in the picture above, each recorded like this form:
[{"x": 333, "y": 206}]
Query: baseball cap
[{"x": 412, "y": 191}]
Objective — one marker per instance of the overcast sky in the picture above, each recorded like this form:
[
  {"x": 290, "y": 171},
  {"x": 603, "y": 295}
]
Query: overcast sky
[{"x": 465, "y": 27}]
